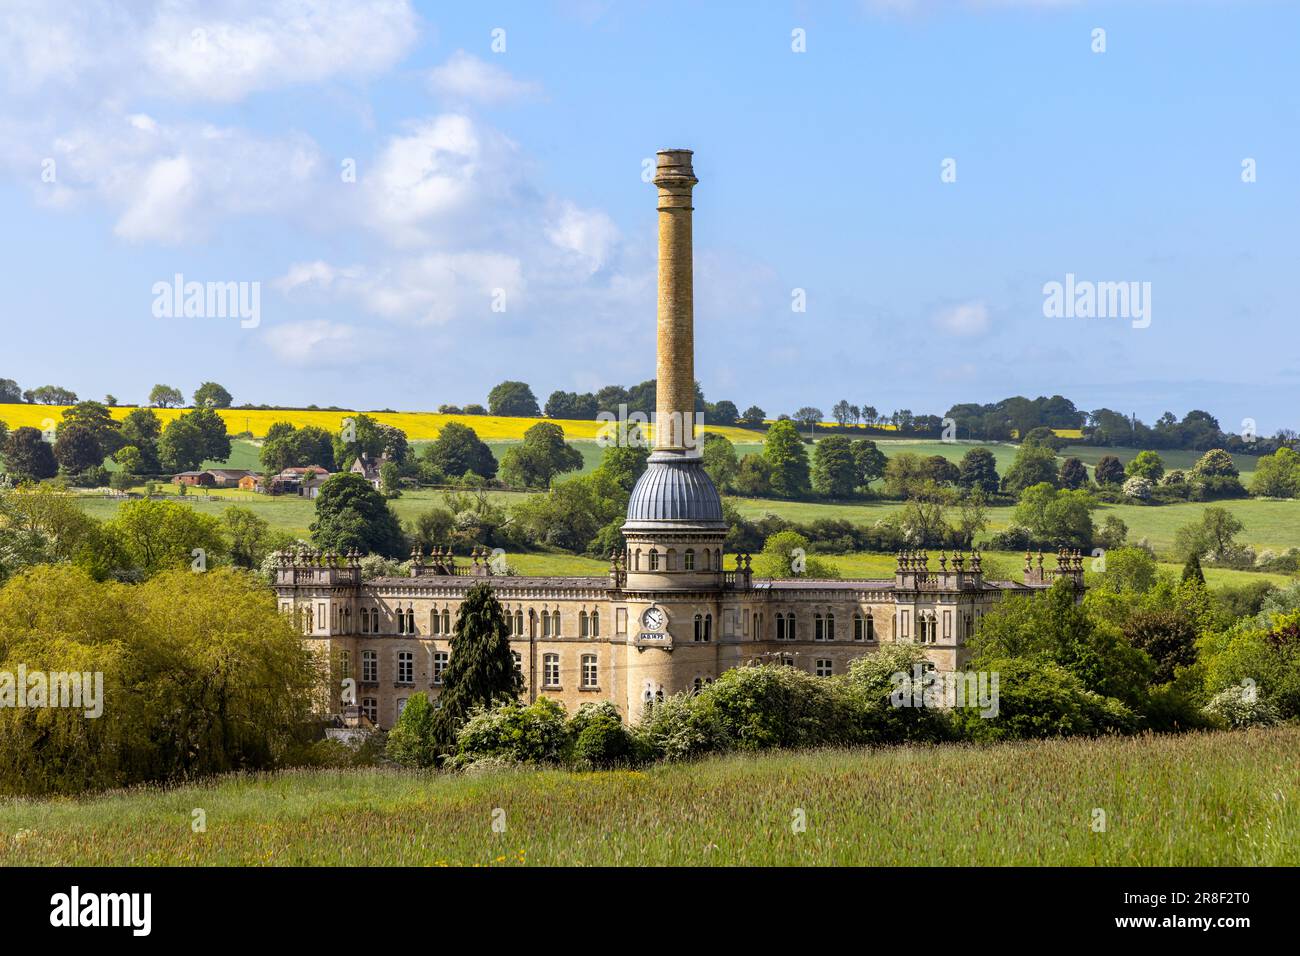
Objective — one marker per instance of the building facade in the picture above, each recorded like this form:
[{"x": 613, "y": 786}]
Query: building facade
[{"x": 674, "y": 610}]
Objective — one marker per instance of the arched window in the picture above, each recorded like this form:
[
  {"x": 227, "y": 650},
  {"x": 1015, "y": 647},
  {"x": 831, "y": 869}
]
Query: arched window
[
  {"x": 688, "y": 560},
  {"x": 697, "y": 685},
  {"x": 790, "y": 627},
  {"x": 654, "y": 560},
  {"x": 699, "y": 627},
  {"x": 446, "y": 621},
  {"x": 582, "y": 624},
  {"x": 555, "y": 623},
  {"x": 717, "y": 559},
  {"x": 546, "y": 624},
  {"x": 780, "y": 626},
  {"x": 830, "y": 627},
  {"x": 519, "y": 623},
  {"x": 365, "y": 620},
  {"x": 401, "y": 621},
  {"x": 595, "y": 624},
  {"x": 819, "y": 629},
  {"x": 708, "y": 627},
  {"x": 410, "y": 620}
]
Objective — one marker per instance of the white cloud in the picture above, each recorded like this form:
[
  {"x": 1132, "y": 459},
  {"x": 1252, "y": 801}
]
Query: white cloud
[
  {"x": 965, "y": 319},
  {"x": 588, "y": 234},
  {"x": 161, "y": 204},
  {"x": 466, "y": 77},
  {"x": 320, "y": 342}
]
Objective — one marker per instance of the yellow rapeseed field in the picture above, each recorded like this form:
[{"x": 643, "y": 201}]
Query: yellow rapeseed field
[{"x": 419, "y": 426}]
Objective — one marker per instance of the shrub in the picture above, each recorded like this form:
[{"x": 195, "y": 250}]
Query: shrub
[
  {"x": 600, "y": 739},
  {"x": 1240, "y": 706},
  {"x": 1037, "y": 699},
  {"x": 524, "y": 734},
  {"x": 679, "y": 729},
  {"x": 412, "y": 742},
  {"x": 776, "y": 706},
  {"x": 872, "y": 679}
]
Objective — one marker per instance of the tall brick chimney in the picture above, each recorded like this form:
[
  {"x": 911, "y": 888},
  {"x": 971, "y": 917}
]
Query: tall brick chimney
[{"x": 675, "y": 372}]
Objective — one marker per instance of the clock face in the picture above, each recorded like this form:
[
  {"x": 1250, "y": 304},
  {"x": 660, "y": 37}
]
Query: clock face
[{"x": 653, "y": 618}]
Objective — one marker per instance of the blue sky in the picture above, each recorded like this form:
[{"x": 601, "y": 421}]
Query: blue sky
[{"x": 211, "y": 141}]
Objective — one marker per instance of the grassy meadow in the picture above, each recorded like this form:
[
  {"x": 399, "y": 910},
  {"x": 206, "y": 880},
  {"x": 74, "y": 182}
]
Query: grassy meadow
[{"x": 1209, "y": 799}]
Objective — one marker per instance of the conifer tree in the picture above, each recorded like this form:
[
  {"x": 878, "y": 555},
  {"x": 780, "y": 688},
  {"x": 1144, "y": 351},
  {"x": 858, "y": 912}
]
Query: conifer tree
[{"x": 481, "y": 670}]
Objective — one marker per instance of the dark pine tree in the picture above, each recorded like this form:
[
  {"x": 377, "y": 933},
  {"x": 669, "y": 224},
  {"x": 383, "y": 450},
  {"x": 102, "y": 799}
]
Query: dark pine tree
[{"x": 481, "y": 670}]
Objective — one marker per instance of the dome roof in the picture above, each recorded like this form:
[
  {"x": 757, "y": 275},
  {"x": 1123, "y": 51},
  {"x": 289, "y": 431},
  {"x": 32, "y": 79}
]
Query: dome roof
[{"x": 674, "y": 492}]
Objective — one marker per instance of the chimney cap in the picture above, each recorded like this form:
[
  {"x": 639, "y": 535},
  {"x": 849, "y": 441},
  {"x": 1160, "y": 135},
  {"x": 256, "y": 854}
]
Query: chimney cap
[{"x": 673, "y": 167}]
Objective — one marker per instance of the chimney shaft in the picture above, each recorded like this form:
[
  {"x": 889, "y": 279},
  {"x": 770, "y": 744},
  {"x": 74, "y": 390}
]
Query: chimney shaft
[{"x": 675, "y": 372}]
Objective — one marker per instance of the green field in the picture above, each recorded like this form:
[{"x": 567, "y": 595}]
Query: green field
[{"x": 1222, "y": 799}]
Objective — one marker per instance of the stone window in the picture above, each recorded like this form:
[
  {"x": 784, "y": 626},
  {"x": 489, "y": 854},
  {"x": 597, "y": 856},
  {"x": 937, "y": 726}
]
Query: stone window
[
  {"x": 401, "y": 706},
  {"x": 519, "y": 623},
  {"x": 824, "y": 667},
  {"x": 589, "y": 672},
  {"x": 819, "y": 627},
  {"x": 584, "y": 629},
  {"x": 830, "y": 627},
  {"x": 401, "y": 621},
  {"x": 370, "y": 667},
  {"x": 446, "y": 621},
  {"x": 370, "y": 709},
  {"x": 780, "y": 626},
  {"x": 345, "y": 663},
  {"x": 863, "y": 628},
  {"x": 551, "y": 670},
  {"x": 703, "y": 628},
  {"x": 595, "y": 624},
  {"x": 405, "y": 667},
  {"x": 410, "y": 621},
  {"x": 688, "y": 560},
  {"x": 440, "y": 661},
  {"x": 654, "y": 560}
]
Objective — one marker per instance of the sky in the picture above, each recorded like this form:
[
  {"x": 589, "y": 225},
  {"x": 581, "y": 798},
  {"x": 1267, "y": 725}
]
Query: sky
[{"x": 430, "y": 198}]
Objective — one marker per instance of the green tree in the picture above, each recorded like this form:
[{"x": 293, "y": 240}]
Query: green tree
[
  {"x": 1056, "y": 518},
  {"x": 834, "y": 471},
  {"x": 142, "y": 428},
  {"x": 785, "y": 454},
  {"x": 10, "y": 393},
  {"x": 869, "y": 463},
  {"x": 28, "y": 456},
  {"x": 153, "y": 536},
  {"x": 164, "y": 396},
  {"x": 753, "y": 417},
  {"x": 458, "y": 450},
  {"x": 1277, "y": 475},
  {"x": 96, "y": 419},
  {"x": 514, "y": 399},
  {"x": 1214, "y": 533},
  {"x": 978, "y": 469},
  {"x": 1034, "y": 464},
  {"x": 1109, "y": 471},
  {"x": 248, "y": 535},
  {"x": 1074, "y": 474},
  {"x": 1215, "y": 475},
  {"x": 76, "y": 449},
  {"x": 1146, "y": 464},
  {"x": 720, "y": 460},
  {"x": 212, "y": 395},
  {"x": 541, "y": 456},
  {"x": 192, "y": 438},
  {"x": 753, "y": 477},
  {"x": 411, "y": 742},
  {"x": 1168, "y": 635},
  {"x": 481, "y": 671},
  {"x": 785, "y": 555},
  {"x": 350, "y": 513}
]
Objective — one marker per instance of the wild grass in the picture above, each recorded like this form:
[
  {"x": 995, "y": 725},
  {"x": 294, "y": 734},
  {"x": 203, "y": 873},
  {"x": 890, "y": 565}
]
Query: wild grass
[{"x": 1215, "y": 799}]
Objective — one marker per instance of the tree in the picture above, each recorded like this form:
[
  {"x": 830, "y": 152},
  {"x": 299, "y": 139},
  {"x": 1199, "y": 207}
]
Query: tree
[
  {"x": 51, "y": 395},
  {"x": 129, "y": 460},
  {"x": 458, "y": 450},
  {"x": 869, "y": 463},
  {"x": 870, "y": 415},
  {"x": 351, "y": 513},
  {"x": 571, "y": 405},
  {"x": 192, "y": 438},
  {"x": 905, "y": 474},
  {"x": 248, "y": 534},
  {"x": 1074, "y": 474},
  {"x": 720, "y": 460},
  {"x": 722, "y": 413},
  {"x": 212, "y": 395},
  {"x": 28, "y": 456},
  {"x": 10, "y": 393},
  {"x": 842, "y": 412},
  {"x": 541, "y": 456},
  {"x": 785, "y": 555},
  {"x": 153, "y": 536},
  {"x": 785, "y": 454},
  {"x": 1146, "y": 464},
  {"x": 1054, "y": 517},
  {"x": 809, "y": 417},
  {"x": 1109, "y": 471},
  {"x": 1034, "y": 464},
  {"x": 753, "y": 417},
  {"x": 624, "y": 464},
  {"x": 1215, "y": 475},
  {"x": 141, "y": 429},
  {"x": 76, "y": 449},
  {"x": 481, "y": 670},
  {"x": 1192, "y": 570},
  {"x": 164, "y": 396},
  {"x": 95, "y": 418},
  {"x": 753, "y": 477},
  {"x": 1214, "y": 534},
  {"x": 834, "y": 472},
  {"x": 411, "y": 742},
  {"x": 1277, "y": 475},
  {"x": 978, "y": 470},
  {"x": 941, "y": 471},
  {"x": 1168, "y": 636},
  {"x": 363, "y": 435},
  {"x": 514, "y": 399}
]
